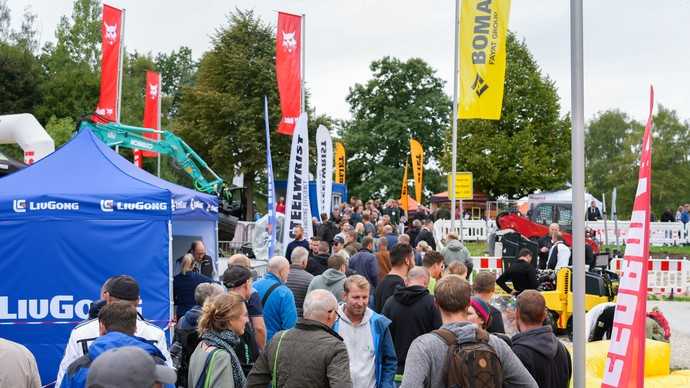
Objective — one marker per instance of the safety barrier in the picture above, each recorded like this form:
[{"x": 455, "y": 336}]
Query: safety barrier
[
  {"x": 487, "y": 263},
  {"x": 244, "y": 233},
  {"x": 663, "y": 275},
  {"x": 661, "y": 233}
]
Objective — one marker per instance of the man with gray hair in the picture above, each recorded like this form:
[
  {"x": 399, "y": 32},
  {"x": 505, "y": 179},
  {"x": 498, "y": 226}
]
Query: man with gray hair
[
  {"x": 278, "y": 301},
  {"x": 311, "y": 354},
  {"x": 299, "y": 279},
  {"x": 413, "y": 312}
]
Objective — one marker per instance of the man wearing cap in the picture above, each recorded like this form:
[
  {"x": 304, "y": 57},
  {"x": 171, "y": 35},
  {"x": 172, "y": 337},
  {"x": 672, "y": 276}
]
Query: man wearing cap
[
  {"x": 239, "y": 279},
  {"x": 117, "y": 323},
  {"x": 123, "y": 288}
]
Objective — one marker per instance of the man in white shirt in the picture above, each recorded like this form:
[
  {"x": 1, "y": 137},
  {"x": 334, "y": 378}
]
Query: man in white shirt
[
  {"x": 121, "y": 288},
  {"x": 559, "y": 254}
]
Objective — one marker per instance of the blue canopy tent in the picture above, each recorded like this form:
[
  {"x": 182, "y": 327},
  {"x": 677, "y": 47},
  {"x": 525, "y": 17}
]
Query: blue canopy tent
[
  {"x": 69, "y": 222},
  {"x": 194, "y": 216}
]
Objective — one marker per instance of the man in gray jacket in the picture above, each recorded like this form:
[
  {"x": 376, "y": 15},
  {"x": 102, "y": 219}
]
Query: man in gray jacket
[
  {"x": 428, "y": 355},
  {"x": 456, "y": 251},
  {"x": 332, "y": 279},
  {"x": 311, "y": 355}
]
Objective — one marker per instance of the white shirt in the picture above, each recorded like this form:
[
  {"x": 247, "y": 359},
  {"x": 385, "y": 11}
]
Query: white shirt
[
  {"x": 360, "y": 349},
  {"x": 85, "y": 333},
  {"x": 563, "y": 255}
]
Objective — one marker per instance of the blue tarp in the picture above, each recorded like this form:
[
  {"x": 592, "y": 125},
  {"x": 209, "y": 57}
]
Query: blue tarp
[{"x": 67, "y": 223}]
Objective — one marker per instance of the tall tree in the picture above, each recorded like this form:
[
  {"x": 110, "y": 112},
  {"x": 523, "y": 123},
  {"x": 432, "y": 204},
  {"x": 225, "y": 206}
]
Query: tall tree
[
  {"x": 177, "y": 71},
  {"x": 221, "y": 115},
  {"x": 20, "y": 78},
  {"x": 403, "y": 100},
  {"x": 529, "y": 147}
]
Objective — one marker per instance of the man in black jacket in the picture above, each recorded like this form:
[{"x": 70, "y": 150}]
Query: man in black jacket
[
  {"x": 544, "y": 356},
  {"x": 521, "y": 273},
  {"x": 413, "y": 312},
  {"x": 426, "y": 234}
]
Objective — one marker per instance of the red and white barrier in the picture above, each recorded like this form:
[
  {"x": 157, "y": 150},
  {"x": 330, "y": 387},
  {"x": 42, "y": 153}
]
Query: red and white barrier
[
  {"x": 664, "y": 275},
  {"x": 487, "y": 263}
]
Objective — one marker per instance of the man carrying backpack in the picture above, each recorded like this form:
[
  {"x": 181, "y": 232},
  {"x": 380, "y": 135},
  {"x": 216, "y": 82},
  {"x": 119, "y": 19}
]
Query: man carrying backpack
[{"x": 478, "y": 359}]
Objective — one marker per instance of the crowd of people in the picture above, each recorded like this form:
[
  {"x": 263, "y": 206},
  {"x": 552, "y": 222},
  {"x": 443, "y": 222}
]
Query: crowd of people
[{"x": 365, "y": 303}]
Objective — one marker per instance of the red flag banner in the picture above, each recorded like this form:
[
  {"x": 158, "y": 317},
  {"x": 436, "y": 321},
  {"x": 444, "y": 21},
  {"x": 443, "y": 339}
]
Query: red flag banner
[
  {"x": 288, "y": 69},
  {"x": 152, "y": 108},
  {"x": 625, "y": 361},
  {"x": 111, "y": 43}
]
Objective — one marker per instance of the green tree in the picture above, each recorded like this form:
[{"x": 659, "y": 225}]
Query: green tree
[
  {"x": 20, "y": 79},
  {"x": 529, "y": 147},
  {"x": 177, "y": 71},
  {"x": 403, "y": 100},
  {"x": 221, "y": 115},
  {"x": 60, "y": 130}
]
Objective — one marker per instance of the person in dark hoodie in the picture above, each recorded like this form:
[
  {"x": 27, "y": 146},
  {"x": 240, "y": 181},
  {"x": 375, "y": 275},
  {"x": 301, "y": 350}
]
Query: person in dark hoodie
[
  {"x": 413, "y": 312},
  {"x": 544, "y": 356},
  {"x": 456, "y": 251},
  {"x": 117, "y": 324},
  {"x": 365, "y": 263},
  {"x": 332, "y": 279},
  {"x": 317, "y": 264}
]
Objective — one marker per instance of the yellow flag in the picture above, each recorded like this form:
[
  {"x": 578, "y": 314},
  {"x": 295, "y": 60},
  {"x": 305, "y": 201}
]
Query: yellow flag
[
  {"x": 417, "y": 153},
  {"x": 404, "y": 196},
  {"x": 339, "y": 163},
  {"x": 483, "y": 26}
]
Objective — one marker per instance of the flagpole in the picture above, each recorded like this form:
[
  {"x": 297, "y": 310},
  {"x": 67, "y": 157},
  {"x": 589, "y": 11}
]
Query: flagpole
[
  {"x": 454, "y": 119},
  {"x": 304, "y": 49},
  {"x": 578, "y": 179},
  {"x": 606, "y": 229},
  {"x": 118, "y": 104}
]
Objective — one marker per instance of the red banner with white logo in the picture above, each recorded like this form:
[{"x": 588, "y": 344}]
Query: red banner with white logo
[
  {"x": 625, "y": 361},
  {"x": 111, "y": 43},
  {"x": 152, "y": 108},
  {"x": 288, "y": 69}
]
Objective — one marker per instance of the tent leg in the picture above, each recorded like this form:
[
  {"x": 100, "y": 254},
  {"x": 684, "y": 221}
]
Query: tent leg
[{"x": 170, "y": 281}]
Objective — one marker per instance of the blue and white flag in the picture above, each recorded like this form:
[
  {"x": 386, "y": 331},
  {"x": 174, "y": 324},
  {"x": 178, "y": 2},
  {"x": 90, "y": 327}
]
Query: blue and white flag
[
  {"x": 297, "y": 208},
  {"x": 324, "y": 170},
  {"x": 271, "y": 203}
]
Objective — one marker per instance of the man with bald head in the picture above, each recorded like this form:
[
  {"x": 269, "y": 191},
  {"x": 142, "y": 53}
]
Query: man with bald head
[
  {"x": 311, "y": 354},
  {"x": 280, "y": 312},
  {"x": 412, "y": 312}
]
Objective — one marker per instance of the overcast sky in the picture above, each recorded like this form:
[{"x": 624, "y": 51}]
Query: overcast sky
[{"x": 628, "y": 44}]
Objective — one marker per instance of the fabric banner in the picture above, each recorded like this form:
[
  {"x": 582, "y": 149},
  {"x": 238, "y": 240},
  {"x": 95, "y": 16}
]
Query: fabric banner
[
  {"x": 324, "y": 170},
  {"x": 111, "y": 60},
  {"x": 417, "y": 153},
  {"x": 297, "y": 208},
  {"x": 625, "y": 361},
  {"x": 404, "y": 193},
  {"x": 288, "y": 69},
  {"x": 482, "y": 40},
  {"x": 340, "y": 163},
  {"x": 152, "y": 108},
  {"x": 271, "y": 188}
]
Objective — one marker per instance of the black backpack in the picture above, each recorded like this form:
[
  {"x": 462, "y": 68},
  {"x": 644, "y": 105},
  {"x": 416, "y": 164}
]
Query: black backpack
[
  {"x": 473, "y": 363},
  {"x": 247, "y": 350},
  {"x": 181, "y": 351}
]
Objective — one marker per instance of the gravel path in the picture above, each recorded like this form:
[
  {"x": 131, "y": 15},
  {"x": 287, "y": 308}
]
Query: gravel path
[{"x": 678, "y": 316}]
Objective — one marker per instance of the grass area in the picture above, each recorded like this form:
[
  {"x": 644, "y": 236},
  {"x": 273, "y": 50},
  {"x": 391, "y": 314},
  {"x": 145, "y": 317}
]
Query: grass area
[
  {"x": 680, "y": 298},
  {"x": 477, "y": 248}
]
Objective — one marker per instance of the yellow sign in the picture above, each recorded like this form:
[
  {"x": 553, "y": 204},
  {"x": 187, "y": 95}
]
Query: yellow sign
[
  {"x": 463, "y": 185},
  {"x": 340, "y": 162},
  {"x": 404, "y": 195},
  {"x": 417, "y": 153},
  {"x": 483, "y": 26}
]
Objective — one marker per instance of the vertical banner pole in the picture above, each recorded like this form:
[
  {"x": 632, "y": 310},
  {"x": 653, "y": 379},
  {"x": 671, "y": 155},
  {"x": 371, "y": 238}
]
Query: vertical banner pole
[
  {"x": 118, "y": 105},
  {"x": 454, "y": 119},
  {"x": 578, "y": 179},
  {"x": 605, "y": 215},
  {"x": 304, "y": 50}
]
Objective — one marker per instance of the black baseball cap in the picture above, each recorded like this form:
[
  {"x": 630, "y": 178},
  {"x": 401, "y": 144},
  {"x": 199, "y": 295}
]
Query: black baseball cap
[
  {"x": 235, "y": 276},
  {"x": 124, "y": 287},
  {"x": 339, "y": 240}
]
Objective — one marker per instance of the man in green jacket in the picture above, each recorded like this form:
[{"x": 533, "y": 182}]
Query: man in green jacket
[{"x": 309, "y": 355}]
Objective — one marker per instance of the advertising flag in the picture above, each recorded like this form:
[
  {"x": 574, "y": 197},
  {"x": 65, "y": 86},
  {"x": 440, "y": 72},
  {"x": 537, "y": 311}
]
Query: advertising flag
[
  {"x": 271, "y": 189},
  {"x": 111, "y": 61},
  {"x": 152, "y": 113},
  {"x": 288, "y": 69},
  {"x": 417, "y": 153},
  {"x": 297, "y": 207},
  {"x": 404, "y": 193},
  {"x": 483, "y": 26},
  {"x": 624, "y": 366},
  {"x": 340, "y": 163},
  {"x": 324, "y": 169}
]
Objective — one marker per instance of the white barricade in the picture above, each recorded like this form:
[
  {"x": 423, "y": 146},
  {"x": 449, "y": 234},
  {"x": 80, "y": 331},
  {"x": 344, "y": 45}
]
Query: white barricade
[
  {"x": 663, "y": 275},
  {"x": 473, "y": 230},
  {"x": 487, "y": 263}
]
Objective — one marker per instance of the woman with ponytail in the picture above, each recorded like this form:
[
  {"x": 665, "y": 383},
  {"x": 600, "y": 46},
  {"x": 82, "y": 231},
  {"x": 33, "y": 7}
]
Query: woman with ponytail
[{"x": 214, "y": 363}]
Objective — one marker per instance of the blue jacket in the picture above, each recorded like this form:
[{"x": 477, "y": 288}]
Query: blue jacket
[
  {"x": 384, "y": 352},
  {"x": 391, "y": 240},
  {"x": 280, "y": 312},
  {"x": 294, "y": 244},
  {"x": 183, "y": 290},
  {"x": 366, "y": 264},
  {"x": 79, "y": 369}
]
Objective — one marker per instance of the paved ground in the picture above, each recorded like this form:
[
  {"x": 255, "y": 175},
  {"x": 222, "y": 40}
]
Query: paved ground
[{"x": 678, "y": 316}]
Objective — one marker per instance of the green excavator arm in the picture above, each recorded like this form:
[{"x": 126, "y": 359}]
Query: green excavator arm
[{"x": 120, "y": 135}]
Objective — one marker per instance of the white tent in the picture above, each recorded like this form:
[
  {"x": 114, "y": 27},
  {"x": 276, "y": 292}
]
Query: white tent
[{"x": 561, "y": 196}]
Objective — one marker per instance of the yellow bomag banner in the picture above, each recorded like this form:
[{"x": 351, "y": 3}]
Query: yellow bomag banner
[
  {"x": 339, "y": 163},
  {"x": 483, "y": 26},
  {"x": 417, "y": 153},
  {"x": 404, "y": 195}
]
